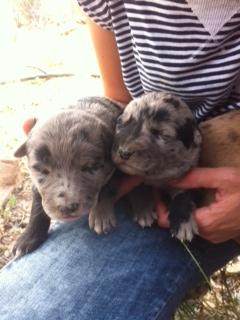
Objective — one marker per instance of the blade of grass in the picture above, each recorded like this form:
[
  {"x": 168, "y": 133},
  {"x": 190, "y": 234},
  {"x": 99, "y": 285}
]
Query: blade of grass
[{"x": 198, "y": 265}]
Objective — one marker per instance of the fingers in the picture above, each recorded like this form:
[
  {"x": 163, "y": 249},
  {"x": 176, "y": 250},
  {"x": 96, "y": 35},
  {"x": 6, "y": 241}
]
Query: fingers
[
  {"x": 128, "y": 183},
  {"x": 162, "y": 214},
  {"x": 161, "y": 209},
  {"x": 208, "y": 178},
  {"x": 28, "y": 125},
  {"x": 212, "y": 223}
]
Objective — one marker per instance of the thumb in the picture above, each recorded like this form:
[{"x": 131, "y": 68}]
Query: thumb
[
  {"x": 161, "y": 209},
  {"x": 203, "y": 215},
  {"x": 28, "y": 125}
]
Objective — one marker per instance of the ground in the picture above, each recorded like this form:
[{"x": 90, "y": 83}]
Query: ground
[
  {"x": 36, "y": 77},
  {"x": 46, "y": 68}
]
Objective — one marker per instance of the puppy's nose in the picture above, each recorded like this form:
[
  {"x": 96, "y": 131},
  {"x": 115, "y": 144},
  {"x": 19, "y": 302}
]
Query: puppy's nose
[
  {"x": 69, "y": 209},
  {"x": 124, "y": 153}
]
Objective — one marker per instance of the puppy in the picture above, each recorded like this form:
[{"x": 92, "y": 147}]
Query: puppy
[
  {"x": 69, "y": 158},
  {"x": 158, "y": 138}
]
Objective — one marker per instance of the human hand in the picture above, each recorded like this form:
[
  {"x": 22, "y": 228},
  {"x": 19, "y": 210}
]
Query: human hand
[
  {"x": 220, "y": 220},
  {"x": 28, "y": 125}
]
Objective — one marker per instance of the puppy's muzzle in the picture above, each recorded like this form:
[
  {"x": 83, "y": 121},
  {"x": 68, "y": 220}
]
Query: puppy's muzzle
[
  {"x": 68, "y": 210},
  {"x": 124, "y": 154}
]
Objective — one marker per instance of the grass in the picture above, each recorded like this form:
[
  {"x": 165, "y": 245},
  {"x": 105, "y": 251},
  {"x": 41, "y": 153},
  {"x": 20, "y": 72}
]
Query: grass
[
  {"x": 220, "y": 299},
  {"x": 6, "y": 212},
  {"x": 217, "y": 298},
  {"x": 221, "y": 303}
]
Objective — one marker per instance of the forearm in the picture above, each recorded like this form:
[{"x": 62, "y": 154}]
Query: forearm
[{"x": 109, "y": 63}]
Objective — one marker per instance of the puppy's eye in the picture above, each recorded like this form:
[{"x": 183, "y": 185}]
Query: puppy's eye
[
  {"x": 40, "y": 169},
  {"x": 159, "y": 134},
  {"x": 91, "y": 168},
  {"x": 45, "y": 172},
  {"x": 155, "y": 132}
]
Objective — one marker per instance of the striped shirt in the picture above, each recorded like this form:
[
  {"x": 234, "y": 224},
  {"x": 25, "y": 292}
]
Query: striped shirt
[{"x": 188, "y": 47}]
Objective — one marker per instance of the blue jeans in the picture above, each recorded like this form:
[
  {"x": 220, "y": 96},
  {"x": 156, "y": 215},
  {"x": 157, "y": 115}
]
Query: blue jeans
[{"x": 128, "y": 274}]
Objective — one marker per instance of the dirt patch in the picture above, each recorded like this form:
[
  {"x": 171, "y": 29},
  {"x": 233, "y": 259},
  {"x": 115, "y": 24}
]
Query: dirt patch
[{"x": 15, "y": 215}]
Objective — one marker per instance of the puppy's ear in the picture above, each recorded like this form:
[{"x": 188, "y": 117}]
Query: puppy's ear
[
  {"x": 21, "y": 151},
  {"x": 185, "y": 133}
]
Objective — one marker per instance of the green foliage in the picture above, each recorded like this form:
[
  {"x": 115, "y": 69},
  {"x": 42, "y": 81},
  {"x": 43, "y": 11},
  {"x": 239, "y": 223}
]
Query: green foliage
[
  {"x": 220, "y": 302},
  {"x": 5, "y": 213}
]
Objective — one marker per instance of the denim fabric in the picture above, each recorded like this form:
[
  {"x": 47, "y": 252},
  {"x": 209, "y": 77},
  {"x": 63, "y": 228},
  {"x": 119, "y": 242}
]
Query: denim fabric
[{"x": 128, "y": 274}]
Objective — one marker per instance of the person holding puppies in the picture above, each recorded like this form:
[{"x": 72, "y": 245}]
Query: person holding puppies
[{"x": 190, "y": 48}]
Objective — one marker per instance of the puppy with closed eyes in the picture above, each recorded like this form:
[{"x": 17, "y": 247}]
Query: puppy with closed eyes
[
  {"x": 69, "y": 158},
  {"x": 158, "y": 139}
]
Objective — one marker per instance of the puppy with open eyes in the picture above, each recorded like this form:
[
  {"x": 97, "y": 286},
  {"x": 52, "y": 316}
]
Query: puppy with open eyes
[
  {"x": 69, "y": 158},
  {"x": 158, "y": 138}
]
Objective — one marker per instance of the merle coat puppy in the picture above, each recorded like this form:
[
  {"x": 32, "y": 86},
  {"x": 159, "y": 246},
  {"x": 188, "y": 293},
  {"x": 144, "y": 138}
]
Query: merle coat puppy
[
  {"x": 158, "y": 138},
  {"x": 69, "y": 158}
]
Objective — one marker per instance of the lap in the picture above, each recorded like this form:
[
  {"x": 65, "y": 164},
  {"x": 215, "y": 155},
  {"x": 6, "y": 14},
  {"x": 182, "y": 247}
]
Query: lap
[{"x": 130, "y": 273}]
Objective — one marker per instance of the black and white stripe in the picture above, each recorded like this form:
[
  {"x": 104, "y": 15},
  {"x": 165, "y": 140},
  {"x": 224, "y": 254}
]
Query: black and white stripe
[{"x": 163, "y": 46}]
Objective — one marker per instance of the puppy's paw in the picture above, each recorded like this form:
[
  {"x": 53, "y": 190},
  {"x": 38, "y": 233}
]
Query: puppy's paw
[
  {"x": 101, "y": 223},
  {"x": 145, "y": 218},
  {"x": 186, "y": 230},
  {"x": 182, "y": 223},
  {"x": 27, "y": 243}
]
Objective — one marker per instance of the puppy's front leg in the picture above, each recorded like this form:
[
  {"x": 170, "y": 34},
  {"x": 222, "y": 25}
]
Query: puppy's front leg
[
  {"x": 182, "y": 223},
  {"x": 37, "y": 229},
  {"x": 102, "y": 217},
  {"x": 142, "y": 205}
]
